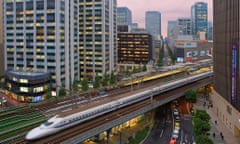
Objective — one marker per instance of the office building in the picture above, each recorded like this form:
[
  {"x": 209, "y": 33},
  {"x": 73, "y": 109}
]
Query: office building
[
  {"x": 153, "y": 23},
  {"x": 134, "y": 48},
  {"x": 124, "y": 16},
  {"x": 41, "y": 36},
  {"x": 97, "y": 37},
  {"x": 134, "y": 25},
  {"x": 210, "y": 31},
  {"x": 170, "y": 27},
  {"x": 226, "y": 94},
  {"x": 1, "y": 40},
  {"x": 192, "y": 50},
  {"x": 185, "y": 25},
  {"x": 199, "y": 14}
]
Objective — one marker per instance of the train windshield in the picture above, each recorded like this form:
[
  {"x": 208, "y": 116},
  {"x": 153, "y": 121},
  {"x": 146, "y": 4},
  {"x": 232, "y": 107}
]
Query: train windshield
[{"x": 47, "y": 123}]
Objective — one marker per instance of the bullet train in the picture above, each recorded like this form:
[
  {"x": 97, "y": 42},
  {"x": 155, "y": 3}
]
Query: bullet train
[{"x": 57, "y": 123}]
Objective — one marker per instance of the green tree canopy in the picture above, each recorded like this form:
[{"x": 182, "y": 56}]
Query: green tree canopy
[
  {"x": 144, "y": 68},
  {"x": 203, "y": 139},
  {"x": 201, "y": 127},
  {"x": 96, "y": 83},
  {"x": 62, "y": 92},
  {"x": 191, "y": 96},
  {"x": 84, "y": 84},
  {"x": 105, "y": 79},
  {"x": 75, "y": 85},
  {"x": 202, "y": 115},
  {"x": 113, "y": 78},
  {"x": 48, "y": 95}
]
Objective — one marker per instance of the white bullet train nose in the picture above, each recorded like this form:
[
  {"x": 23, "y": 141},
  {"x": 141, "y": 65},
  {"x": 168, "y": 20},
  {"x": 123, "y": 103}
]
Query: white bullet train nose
[
  {"x": 35, "y": 133},
  {"x": 38, "y": 133}
]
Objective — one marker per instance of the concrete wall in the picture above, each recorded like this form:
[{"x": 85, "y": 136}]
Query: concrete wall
[
  {"x": 226, "y": 112},
  {"x": 1, "y": 40}
]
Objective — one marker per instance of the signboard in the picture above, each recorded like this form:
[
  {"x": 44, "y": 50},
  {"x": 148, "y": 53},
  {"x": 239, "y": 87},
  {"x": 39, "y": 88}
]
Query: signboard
[
  {"x": 186, "y": 44},
  {"x": 234, "y": 74}
]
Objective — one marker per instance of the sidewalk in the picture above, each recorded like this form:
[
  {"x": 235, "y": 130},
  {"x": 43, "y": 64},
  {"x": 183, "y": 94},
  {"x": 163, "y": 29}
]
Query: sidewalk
[
  {"x": 228, "y": 137},
  {"x": 13, "y": 102}
]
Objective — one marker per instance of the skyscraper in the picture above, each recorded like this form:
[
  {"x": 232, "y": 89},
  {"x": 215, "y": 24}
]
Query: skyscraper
[
  {"x": 153, "y": 23},
  {"x": 42, "y": 36},
  {"x": 185, "y": 25},
  {"x": 124, "y": 16},
  {"x": 226, "y": 94},
  {"x": 199, "y": 13},
  {"x": 97, "y": 37},
  {"x": 170, "y": 26},
  {"x": 1, "y": 40}
]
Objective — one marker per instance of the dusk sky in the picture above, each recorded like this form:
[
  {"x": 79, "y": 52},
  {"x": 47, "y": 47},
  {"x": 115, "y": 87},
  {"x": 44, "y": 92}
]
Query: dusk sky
[{"x": 169, "y": 9}]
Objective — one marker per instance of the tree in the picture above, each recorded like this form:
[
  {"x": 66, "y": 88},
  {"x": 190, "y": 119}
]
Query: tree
[
  {"x": 105, "y": 79},
  {"x": 202, "y": 115},
  {"x": 191, "y": 96},
  {"x": 96, "y": 83},
  {"x": 48, "y": 95},
  {"x": 75, "y": 85},
  {"x": 62, "y": 92},
  {"x": 113, "y": 78},
  {"x": 84, "y": 84},
  {"x": 201, "y": 127},
  {"x": 144, "y": 68},
  {"x": 203, "y": 139}
]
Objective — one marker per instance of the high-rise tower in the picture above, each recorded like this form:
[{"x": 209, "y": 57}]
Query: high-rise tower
[
  {"x": 153, "y": 23},
  {"x": 97, "y": 37},
  {"x": 1, "y": 40},
  {"x": 199, "y": 13},
  {"x": 226, "y": 95},
  {"x": 124, "y": 16},
  {"x": 42, "y": 36}
]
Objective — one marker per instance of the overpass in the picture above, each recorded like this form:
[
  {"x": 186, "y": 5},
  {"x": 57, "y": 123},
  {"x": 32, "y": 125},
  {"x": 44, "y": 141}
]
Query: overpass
[{"x": 129, "y": 112}]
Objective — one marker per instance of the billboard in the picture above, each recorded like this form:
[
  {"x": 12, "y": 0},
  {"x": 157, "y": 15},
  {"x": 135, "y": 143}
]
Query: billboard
[{"x": 234, "y": 74}]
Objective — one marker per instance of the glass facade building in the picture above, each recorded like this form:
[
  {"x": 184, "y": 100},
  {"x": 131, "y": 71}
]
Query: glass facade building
[
  {"x": 42, "y": 36},
  {"x": 97, "y": 37},
  {"x": 1, "y": 40},
  {"x": 170, "y": 27},
  {"x": 26, "y": 86},
  {"x": 153, "y": 23},
  {"x": 124, "y": 16},
  {"x": 199, "y": 14},
  {"x": 185, "y": 26}
]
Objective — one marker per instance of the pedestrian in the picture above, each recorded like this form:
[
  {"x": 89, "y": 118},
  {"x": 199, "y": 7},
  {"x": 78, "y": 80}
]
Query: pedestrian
[
  {"x": 213, "y": 135},
  {"x": 215, "y": 121},
  {"x": 221, "y": 133},
  {"x": 222, "y": 137}
]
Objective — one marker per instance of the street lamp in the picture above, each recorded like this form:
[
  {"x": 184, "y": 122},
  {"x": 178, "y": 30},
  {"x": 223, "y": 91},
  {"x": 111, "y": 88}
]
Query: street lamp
[{"x": 120, "y": 137}]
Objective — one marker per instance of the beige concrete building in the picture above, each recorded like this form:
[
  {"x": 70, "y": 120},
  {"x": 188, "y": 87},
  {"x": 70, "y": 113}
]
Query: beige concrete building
[
  {"x": 226, "y": 95},
  {"x": 1, "y": 40}
]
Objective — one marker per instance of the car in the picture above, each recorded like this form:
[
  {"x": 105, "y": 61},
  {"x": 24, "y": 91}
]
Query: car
[
  {"x": 175, "y": 112},
  {"x": 175, "y": 134},
  {"x": 177, "y": 126},
  {"x": 177, "y": 119}
]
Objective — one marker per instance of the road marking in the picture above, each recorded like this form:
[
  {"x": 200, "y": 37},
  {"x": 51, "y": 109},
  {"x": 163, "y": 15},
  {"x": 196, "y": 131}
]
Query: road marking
[{"x": 161, "y": 133}]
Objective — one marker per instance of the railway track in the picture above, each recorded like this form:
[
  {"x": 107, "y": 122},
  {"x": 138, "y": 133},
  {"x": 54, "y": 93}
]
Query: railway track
[
  {"x": 81, "y": 128},
  {"x": 43, "y": 107}
]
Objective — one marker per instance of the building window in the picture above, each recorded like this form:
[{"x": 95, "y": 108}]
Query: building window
[
  {"x": 51, "y": 4},
  {"x": 40, "y": 5},
  {"x": 29, "y": 5}
]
